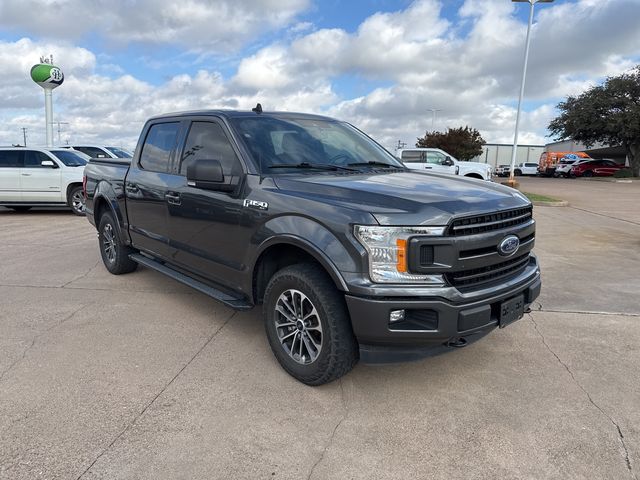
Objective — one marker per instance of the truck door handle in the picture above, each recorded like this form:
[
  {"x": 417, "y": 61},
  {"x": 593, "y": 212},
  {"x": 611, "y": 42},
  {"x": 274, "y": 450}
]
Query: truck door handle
[
  {"x": 173, "y": 198},
  {"x": 427, "y": 167},
  {"x": 26, "y": 174}
]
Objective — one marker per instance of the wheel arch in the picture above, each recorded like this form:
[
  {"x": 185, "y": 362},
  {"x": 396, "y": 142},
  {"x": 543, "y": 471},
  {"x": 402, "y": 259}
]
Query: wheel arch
[
  {"x": 474, "y": 175},
  {"x": 277, "y": 253}
]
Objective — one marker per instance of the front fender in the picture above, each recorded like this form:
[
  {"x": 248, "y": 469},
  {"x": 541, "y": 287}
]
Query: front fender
[{"x": 315, "y": 239}]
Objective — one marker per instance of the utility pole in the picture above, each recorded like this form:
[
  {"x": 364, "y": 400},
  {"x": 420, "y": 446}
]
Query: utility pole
[
  {"x": 433, "y": 117},
  {"x": 60, "y": 123},
  {"x": 400, "y": 145},
  {"x": 24, "y": 135}
]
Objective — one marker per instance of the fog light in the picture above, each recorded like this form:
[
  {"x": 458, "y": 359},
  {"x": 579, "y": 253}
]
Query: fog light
[{"x": 396, "y": 316}]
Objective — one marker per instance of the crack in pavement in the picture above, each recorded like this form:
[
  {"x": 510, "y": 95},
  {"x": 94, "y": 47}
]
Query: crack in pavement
[
  {"x": 83, "y": 275},
  {"x": 539, "y": 308},
  {"x": 35, "y": 339},
  {"x": 606, "y": 415},
  {"x": 153, "y": 400},
  {"x": 345, "y": 411},
  {"x": 606, "y": 216}
]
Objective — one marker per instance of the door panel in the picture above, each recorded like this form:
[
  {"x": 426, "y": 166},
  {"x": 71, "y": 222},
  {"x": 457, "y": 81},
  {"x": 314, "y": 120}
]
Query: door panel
[
  {"x": 40, "y": 183},
  {"x": 435, "y": 160},
  {"x": 146, "y": 187},
  {"x": 10, "y": 163},
  {"x": 205, "y": 225}
]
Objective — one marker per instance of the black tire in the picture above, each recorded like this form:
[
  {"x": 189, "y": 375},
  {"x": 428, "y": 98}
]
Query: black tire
[
  {"x": 21, "y": 208},
  {"x": 587, "y": 173},
  {"x": 517, "y": 173},
  {"x": 75, "y": 200},
  {"x": 115, "y": 255},
  {"x": 338, "y": 350}
]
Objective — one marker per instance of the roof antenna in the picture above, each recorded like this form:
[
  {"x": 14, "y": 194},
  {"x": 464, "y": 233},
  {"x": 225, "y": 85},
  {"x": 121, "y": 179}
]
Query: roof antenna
[{"x": 257, "y": 109}]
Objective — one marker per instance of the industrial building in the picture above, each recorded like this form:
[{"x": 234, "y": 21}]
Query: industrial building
[{"x": 500, "y": 154}]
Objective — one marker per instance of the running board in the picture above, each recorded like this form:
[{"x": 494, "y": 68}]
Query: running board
[{"x": 236, "y": 303}]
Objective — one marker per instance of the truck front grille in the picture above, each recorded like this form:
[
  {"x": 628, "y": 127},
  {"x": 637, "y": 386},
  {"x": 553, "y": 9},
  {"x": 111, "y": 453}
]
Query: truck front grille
[
  {"x": 491, "y": 273},
  {"x": 490, "y": 221}
]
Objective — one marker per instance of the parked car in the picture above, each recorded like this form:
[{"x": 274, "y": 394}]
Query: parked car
[
  {"x": 351, "y": 254},
  {"x": 503, "y": 170},
  {"x": 549, "y": 161},
  {"x": 524, "y": 168},
  {"x": 96, "y": 151},
  {"x": 31, "y": 177},
  {"x": 439, "y": 161},
  {"x": 596, "y": 168},
  {"x": 564, "y": 165}
]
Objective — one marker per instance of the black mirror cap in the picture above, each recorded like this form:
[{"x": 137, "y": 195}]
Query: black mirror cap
[
  {"x": 207, "y": 175},
  {"x": 448, "y": 161}
]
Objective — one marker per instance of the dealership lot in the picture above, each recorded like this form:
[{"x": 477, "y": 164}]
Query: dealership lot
[{"x": 140, "y": 377}]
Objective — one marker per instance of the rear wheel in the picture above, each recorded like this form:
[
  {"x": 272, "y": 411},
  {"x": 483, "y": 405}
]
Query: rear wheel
[
  {"x": 21, "y": 208},
  {"x": 308, "y": 326},
  {"x": 76, "y": 200},
  {"x": 517, "y": 173},
  {"x": 587, "y": 173},
  {"x": 115, "y": 255}
]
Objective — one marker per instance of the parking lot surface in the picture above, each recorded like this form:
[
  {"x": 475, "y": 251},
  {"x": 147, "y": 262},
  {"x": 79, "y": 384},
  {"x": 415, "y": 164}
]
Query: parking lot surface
[{"x": 137, "y": 376}]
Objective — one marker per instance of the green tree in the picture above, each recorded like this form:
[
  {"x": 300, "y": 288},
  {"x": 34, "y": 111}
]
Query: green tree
[
  {"x": 607, "y": 113},
  {"x": 463, "y": 143}
]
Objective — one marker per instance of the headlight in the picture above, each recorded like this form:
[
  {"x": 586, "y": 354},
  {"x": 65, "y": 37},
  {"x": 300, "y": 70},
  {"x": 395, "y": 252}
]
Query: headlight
[{"x": 387, "y": 249}]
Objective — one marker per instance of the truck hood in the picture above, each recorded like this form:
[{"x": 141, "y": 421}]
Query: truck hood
[{"x": 404, "y": 198}]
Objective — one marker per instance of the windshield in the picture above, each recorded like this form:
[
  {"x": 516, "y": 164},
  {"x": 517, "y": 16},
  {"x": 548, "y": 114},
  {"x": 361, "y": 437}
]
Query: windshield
[
  {"x": 119, "y": 152},
  {"x": 278, "y": 144},
  {"x": 71, "y": 158}
]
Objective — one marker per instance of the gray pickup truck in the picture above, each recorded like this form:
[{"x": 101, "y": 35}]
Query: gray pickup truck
[{"x": 351, "y": 255}]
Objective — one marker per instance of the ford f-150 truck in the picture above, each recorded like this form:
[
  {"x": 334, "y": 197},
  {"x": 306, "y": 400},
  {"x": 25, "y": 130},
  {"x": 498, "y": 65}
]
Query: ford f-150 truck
[
  {"x": 351, "y": 255},
  {"x": 439, "y": 161}
]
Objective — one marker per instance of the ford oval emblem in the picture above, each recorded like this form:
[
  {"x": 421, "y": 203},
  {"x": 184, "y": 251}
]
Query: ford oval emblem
[{"x": 508, "y": 246}]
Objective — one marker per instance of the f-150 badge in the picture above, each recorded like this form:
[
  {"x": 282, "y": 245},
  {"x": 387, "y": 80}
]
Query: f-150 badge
[{"x": 256, "y": 204}]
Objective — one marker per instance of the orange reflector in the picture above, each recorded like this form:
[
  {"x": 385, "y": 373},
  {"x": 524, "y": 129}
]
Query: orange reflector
[{"x": 401, "y": 263}]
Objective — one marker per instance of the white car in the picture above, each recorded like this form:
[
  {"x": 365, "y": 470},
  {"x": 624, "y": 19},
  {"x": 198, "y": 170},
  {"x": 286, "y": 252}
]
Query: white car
[
  {"x": 436, "y": 160},
  {"x": 41, "y": 177},
  {"x": 96, "y": 151},
  {"x": 564, "y": 165},
  {"x": 525, "y": 168}
]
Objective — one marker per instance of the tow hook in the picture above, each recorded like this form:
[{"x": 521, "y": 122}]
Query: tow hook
[{"x": 457, "y": 343}]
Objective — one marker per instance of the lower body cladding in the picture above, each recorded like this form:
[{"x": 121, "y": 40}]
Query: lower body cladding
[{"x": 393, "y": 330}]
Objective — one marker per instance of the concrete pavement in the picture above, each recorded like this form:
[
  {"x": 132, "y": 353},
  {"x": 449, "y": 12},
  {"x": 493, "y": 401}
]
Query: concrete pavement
[{"x": 139, "y": 377}]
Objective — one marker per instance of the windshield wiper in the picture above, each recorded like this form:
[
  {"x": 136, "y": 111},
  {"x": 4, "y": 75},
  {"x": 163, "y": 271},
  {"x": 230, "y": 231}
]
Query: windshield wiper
[
  {"x": 373, "y": 163},
  {"x": 319, "y": 166}
]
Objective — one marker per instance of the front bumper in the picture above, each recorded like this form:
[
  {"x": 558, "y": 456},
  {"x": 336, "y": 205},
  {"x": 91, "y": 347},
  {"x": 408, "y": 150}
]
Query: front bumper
[{"x": 440, "y": 323}]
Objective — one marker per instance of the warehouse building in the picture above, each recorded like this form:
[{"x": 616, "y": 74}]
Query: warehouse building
[{"x": 500, "y": 154}]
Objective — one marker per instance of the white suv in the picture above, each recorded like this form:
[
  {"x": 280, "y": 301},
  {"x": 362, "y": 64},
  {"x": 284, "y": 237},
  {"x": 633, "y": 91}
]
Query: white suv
[
  {"x": 525, "y": 169},
  {"x": 41, "y": 177},
  {"x": 439, "y": 161}
]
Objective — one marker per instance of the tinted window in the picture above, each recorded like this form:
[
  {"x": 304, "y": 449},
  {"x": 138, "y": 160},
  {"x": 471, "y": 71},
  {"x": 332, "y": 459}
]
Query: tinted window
[
  {"x": 70, "y": 158},
  {"x": 33, "y": 159},
  {"x": 207, "y": 140},
  {"x": 412, "y": 156},
  {"x": 10, "y": 158},
  {"x": 119, "y": 152},
  {"x": 156, "y": 151},
  {"x": 93, "y": 152}
]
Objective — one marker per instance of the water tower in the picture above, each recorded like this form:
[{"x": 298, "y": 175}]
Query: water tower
[{"x": 48, "y": 76}]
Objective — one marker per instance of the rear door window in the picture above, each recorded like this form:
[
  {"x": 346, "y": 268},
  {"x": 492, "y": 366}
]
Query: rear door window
[
  {"x": 157, "y": 148},
  {"x": 11, "y": 158},
  {"x": 412, "y": 156}
]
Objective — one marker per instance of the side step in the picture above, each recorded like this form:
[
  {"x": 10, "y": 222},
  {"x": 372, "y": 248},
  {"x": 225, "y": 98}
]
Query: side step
[{"x": 236, "y": 303}]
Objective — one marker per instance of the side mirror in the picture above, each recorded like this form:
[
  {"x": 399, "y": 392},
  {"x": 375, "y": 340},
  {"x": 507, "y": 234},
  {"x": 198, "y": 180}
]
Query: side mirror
[
  {"x": 448, "y": 162},
  {"x": 207, "y": 175},
  {"x": 48, "y": 163}
]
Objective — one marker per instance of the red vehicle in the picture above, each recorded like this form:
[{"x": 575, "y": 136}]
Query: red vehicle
[{"x": 596, "y": 168}]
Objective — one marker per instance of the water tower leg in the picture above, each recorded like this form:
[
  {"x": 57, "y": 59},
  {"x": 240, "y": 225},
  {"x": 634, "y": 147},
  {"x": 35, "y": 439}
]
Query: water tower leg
[{"x": 48, "y": 108}]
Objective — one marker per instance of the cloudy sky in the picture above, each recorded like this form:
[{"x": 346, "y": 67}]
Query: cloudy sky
[{"x": 378, "y": 64}]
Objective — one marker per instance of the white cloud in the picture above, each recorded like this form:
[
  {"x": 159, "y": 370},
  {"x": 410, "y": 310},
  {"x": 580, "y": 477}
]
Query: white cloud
[{"x": 197, "y": 25}]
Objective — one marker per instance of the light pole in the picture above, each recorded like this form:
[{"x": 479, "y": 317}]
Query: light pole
[
  {"x": 433, "y": 117},
  {"x": 531, "y": 3}
]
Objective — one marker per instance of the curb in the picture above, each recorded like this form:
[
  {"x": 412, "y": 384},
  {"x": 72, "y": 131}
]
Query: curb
[
  {"x": 608, "y": 179},
  {"x": 540, "y": 203}
]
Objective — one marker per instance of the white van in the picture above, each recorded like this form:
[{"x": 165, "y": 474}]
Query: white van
[{"x": 41, "y": 177}]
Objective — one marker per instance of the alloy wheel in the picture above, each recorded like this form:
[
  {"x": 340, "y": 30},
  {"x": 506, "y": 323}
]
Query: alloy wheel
[{"x": 298, "y": 326}]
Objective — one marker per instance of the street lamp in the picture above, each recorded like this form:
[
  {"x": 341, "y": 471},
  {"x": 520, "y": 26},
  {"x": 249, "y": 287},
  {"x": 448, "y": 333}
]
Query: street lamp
[{"x": 524, "y": 74}]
